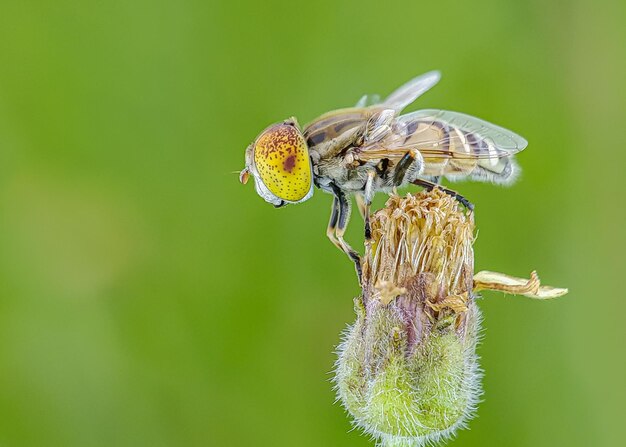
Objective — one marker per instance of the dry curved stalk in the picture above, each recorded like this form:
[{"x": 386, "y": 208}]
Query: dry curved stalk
[{"x": 532, "y": 288}]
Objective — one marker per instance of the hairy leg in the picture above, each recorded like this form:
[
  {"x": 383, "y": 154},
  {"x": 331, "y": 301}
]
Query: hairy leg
[
  {"x": 332, "y": 223},
  {"x": 411, "y": 163},
  {"x": 339, "y": 217},
  {"x": 430, "y": 185},
  {"x": 360, "y": 204},
  {"x": 368, "y": 196}
]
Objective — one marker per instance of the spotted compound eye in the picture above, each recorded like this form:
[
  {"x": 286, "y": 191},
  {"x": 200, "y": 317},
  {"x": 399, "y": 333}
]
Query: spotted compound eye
[{"x": 282, "y": 159}]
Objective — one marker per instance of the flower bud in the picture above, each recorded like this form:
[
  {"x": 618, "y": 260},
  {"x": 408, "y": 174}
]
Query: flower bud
[{"x": 407, "y": 370}]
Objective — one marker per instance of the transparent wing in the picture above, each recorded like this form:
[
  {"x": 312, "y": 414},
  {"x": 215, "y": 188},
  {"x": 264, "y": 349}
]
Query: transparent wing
[
  {"x": 333, "y": 124},
  {"x": 368, "y": 100},
  {"x": 404, "y": 95},
  {"x": 410, "y": 91},
  {"x": 441, "y": 134}
]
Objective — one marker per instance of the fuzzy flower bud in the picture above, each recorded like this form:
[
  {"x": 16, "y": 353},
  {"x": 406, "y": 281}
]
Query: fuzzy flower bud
[{"x": 407, "y": 370}]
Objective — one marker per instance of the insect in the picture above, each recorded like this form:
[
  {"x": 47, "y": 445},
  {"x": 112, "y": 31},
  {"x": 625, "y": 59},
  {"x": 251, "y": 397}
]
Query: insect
[{"x": 372, "y": 147}]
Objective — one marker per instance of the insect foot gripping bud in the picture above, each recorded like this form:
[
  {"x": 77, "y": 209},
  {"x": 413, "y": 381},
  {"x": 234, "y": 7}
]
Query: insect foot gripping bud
[{"x": 407, "y": 370}]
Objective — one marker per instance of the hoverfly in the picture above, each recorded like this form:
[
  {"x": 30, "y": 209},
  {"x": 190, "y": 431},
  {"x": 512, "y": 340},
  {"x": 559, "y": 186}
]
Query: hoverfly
[{"x": 372, "y": 147}]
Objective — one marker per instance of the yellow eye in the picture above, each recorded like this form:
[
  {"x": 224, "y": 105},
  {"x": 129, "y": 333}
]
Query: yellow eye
[{"x": 281, "y": 157}]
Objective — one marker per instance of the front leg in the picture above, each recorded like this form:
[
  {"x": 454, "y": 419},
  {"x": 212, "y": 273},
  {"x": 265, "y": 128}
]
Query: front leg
[
  {"x": 332, "y": 224},
  {"x": 337, "y": 227}
]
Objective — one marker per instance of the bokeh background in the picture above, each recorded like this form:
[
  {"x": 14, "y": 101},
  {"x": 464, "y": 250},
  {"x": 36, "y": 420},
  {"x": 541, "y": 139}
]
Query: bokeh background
[{"x": 148, "y": 299}]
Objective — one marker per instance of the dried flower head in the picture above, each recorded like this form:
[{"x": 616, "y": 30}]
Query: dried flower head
[{"x": 407, "y": 370}]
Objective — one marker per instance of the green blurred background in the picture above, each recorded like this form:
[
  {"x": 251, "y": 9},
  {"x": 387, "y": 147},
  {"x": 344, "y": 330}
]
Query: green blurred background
[{"x": 148, "y": 299}]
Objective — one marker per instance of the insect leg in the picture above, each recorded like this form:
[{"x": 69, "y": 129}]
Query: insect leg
[
  {"x": 360, "y": 203},
  {"x": 367, "y": 199},
  {"x": 411, "y": 161},
  {"x": 342, "y": 223},
  {"x": 332, "y": 224},
  {"x": 430, "y": 185},
  {"x": 401, "y": 168}
]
